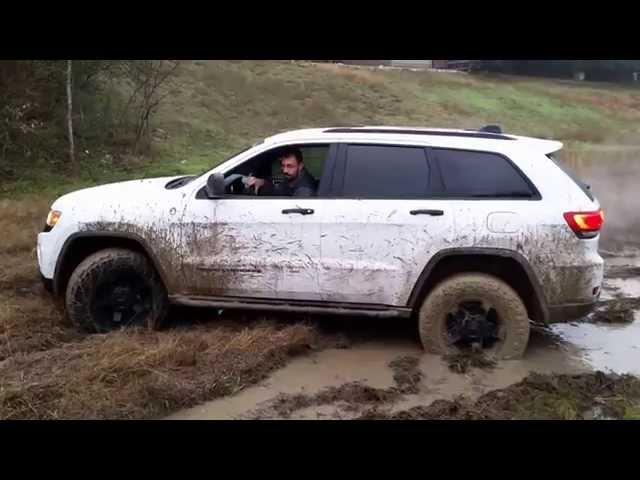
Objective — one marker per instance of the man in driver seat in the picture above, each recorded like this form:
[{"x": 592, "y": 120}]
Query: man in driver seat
[{"x": 299, "y": 182}]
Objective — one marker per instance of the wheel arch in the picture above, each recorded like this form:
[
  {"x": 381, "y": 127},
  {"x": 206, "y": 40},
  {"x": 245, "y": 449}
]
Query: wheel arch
[
  {"x": 509, "y": 266},
  {"x": 82, "y": 244}
]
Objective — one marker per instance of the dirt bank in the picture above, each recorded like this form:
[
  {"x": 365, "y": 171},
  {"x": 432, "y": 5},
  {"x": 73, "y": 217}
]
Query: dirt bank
[{"x": 537, "y": 397}]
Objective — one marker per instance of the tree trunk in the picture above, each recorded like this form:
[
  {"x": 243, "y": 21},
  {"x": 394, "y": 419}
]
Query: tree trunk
[{"x": 72, "y": 154}]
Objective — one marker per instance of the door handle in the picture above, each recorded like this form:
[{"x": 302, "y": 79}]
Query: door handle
[
  {"x": 301, "y": 211},
  {"x": 433, "y": 213}
]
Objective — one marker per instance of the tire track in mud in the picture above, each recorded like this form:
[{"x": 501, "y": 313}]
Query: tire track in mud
[{"x": 351, "y": 396}]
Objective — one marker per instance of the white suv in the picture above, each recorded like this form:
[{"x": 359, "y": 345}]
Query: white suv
[{"x": 476, "y": 232}]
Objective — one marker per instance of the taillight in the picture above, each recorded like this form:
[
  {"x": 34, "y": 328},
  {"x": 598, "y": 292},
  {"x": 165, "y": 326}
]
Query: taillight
[{"x": 585, "y": 224}]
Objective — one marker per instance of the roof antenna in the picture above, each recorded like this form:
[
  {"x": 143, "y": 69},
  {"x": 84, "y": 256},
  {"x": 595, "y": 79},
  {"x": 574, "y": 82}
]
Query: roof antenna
[{"x": 491, "y": 129}]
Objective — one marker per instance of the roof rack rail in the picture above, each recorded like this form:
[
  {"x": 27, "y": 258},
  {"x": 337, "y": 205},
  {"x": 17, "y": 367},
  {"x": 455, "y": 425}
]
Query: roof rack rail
[
  {"x": 491, "y": 129},
  {"x": 439, "y": 133}
]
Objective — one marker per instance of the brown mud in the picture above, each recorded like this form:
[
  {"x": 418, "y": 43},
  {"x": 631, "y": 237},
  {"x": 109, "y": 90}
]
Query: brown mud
[
  {"x": 539, "y": 397},
  {"x": 352, "y": 395},
  {"x": 463, "y": 361},
  {"x": 617, "y": 310}
]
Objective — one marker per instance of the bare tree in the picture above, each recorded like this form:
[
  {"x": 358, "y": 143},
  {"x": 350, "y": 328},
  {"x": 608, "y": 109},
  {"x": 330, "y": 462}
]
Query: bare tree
[
  {"x": 72, "y": 154},
  {"x": 150, "y": 81}
]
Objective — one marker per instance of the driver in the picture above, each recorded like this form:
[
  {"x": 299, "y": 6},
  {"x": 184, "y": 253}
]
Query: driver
[{"x": 299, "y": 182}]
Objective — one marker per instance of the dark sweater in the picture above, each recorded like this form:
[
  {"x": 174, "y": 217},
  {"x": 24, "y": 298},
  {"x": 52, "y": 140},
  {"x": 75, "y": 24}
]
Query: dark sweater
[{"x": 303, "y": 186}]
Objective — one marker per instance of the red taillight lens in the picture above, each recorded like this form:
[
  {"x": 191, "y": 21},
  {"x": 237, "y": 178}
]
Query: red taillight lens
[{"x": 585, "y": 224}]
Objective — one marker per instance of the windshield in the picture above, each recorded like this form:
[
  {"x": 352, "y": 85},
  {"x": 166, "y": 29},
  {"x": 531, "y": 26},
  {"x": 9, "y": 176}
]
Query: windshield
[{"x": 191, "y": 178}]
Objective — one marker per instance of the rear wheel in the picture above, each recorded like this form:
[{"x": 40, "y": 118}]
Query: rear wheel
[
  {"x": 115, "y": 288},
  {"x": 474, "y": 311}
]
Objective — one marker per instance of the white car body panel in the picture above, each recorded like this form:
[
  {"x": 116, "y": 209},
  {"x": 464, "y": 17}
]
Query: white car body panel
[{"x": 247, "y": 247}]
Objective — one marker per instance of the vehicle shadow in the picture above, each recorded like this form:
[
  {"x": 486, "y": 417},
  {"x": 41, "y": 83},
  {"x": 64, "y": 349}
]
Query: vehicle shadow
[{"x": 350, "y": 328}]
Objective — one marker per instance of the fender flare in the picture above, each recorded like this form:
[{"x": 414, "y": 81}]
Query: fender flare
[
  {"x": 68, "y": 244},
  {"x": 419, "y": 286}
]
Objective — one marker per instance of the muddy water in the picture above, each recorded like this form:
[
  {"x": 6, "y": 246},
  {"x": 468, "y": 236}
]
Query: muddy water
[
  {"x": 368, "y": 363},
  {"x": 605, "y": 347},
  {"x": 563, "y": 348}
]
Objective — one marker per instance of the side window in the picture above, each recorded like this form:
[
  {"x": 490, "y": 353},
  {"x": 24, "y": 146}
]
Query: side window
[
  {"x": 479, "y": 174},
  {"x": 555, "y": 158},
  {"x": 314, "y": 157},
  {"x": 318, "y": 162},
  {"x": 385, "y": 171}
]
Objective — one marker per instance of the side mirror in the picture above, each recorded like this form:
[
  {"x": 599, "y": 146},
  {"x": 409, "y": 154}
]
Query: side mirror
[{"x": 215, "y": 185}]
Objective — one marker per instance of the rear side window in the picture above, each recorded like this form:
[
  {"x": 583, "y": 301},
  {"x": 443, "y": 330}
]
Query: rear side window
[
  {"x": 480, "y": 174},
  {"x": 571, "y": 174},
  {"x": 385, "y": 171}
]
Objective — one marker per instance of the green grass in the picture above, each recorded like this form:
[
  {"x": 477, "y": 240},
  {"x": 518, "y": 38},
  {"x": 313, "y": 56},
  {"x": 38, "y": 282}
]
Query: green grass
[
  {"x": 220, "y": 107},
  {"x": 632, "y": 413}
]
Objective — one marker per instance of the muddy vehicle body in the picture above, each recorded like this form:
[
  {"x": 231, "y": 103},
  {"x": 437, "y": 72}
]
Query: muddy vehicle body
[{"x": 476, "y": 233}]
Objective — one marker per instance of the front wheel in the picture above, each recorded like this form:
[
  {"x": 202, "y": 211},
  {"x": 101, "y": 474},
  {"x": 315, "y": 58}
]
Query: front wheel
[
  {"x": 115, "y": 288},
  {"x": 473, "y": 311}
]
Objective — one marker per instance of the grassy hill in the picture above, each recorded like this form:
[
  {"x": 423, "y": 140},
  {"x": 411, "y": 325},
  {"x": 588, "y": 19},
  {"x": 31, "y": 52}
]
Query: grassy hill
[{"x": 220, "y": 107}]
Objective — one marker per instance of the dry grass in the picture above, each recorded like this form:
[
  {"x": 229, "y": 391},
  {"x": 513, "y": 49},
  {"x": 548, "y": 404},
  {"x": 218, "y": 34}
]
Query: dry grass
[
  {"x": 141, "y": 374},
  {"x": 364, "y": 76},
  {"x": 21, "y": 223},
  {"x": 29, "y": 322},
  {"x": 48, "y": 370}
]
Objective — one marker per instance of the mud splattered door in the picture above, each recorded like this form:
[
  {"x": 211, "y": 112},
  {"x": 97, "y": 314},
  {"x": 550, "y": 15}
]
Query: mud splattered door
[{"x": 256, "y": 248}]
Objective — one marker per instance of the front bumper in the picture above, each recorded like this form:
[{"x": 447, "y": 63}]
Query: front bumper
[
  {"x": 47, "y": 283},
  {"x": 49, "y": 245}
]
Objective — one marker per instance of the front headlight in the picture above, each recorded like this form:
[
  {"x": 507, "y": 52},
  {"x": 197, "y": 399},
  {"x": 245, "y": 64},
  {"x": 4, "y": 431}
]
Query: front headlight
[{"x": 52, "y": 219}]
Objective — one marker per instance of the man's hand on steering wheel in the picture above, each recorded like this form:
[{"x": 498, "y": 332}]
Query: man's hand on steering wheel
[{"x": 254, "y": 182}]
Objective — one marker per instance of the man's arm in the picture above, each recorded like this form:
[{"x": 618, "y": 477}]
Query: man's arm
[
  {"x": 268, "y": 188},
  {"x": 261, "y": 186}
]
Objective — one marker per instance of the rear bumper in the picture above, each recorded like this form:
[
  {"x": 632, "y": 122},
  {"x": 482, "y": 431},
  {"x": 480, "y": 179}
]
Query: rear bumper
[{"x": 570, "y": 311}]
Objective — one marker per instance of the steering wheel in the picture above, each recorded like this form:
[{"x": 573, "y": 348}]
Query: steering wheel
[{"x": 234, "y": 185}]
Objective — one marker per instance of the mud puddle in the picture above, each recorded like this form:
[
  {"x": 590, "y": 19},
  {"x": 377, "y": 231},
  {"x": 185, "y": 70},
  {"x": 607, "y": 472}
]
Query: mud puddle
[
  {"x": 348, "y": 377},
  {"x": 612, "y": 342},
  {"x": 622, "y": 276},
  {"x": 610, "y": 347},
  {"x": 352, "y": 382}
]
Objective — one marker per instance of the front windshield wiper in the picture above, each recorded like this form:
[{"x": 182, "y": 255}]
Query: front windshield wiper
[
  {"x": 187, "y": 179},
  {"x": 180, "y": 182}
]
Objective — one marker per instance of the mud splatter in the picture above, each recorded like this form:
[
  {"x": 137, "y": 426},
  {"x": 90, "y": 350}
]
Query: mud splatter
[
  {"x": 553, "y": 397},
  {"x": 462, "y": 362},
  {"x": 617, "y": 310},
  {"x": 406, "y": 374}
]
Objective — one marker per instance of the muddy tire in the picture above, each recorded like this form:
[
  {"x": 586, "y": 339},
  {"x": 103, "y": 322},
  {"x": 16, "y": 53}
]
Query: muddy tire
[
  {"x": 512, "y": 318},
  {"x": 115, "y": 288}
]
